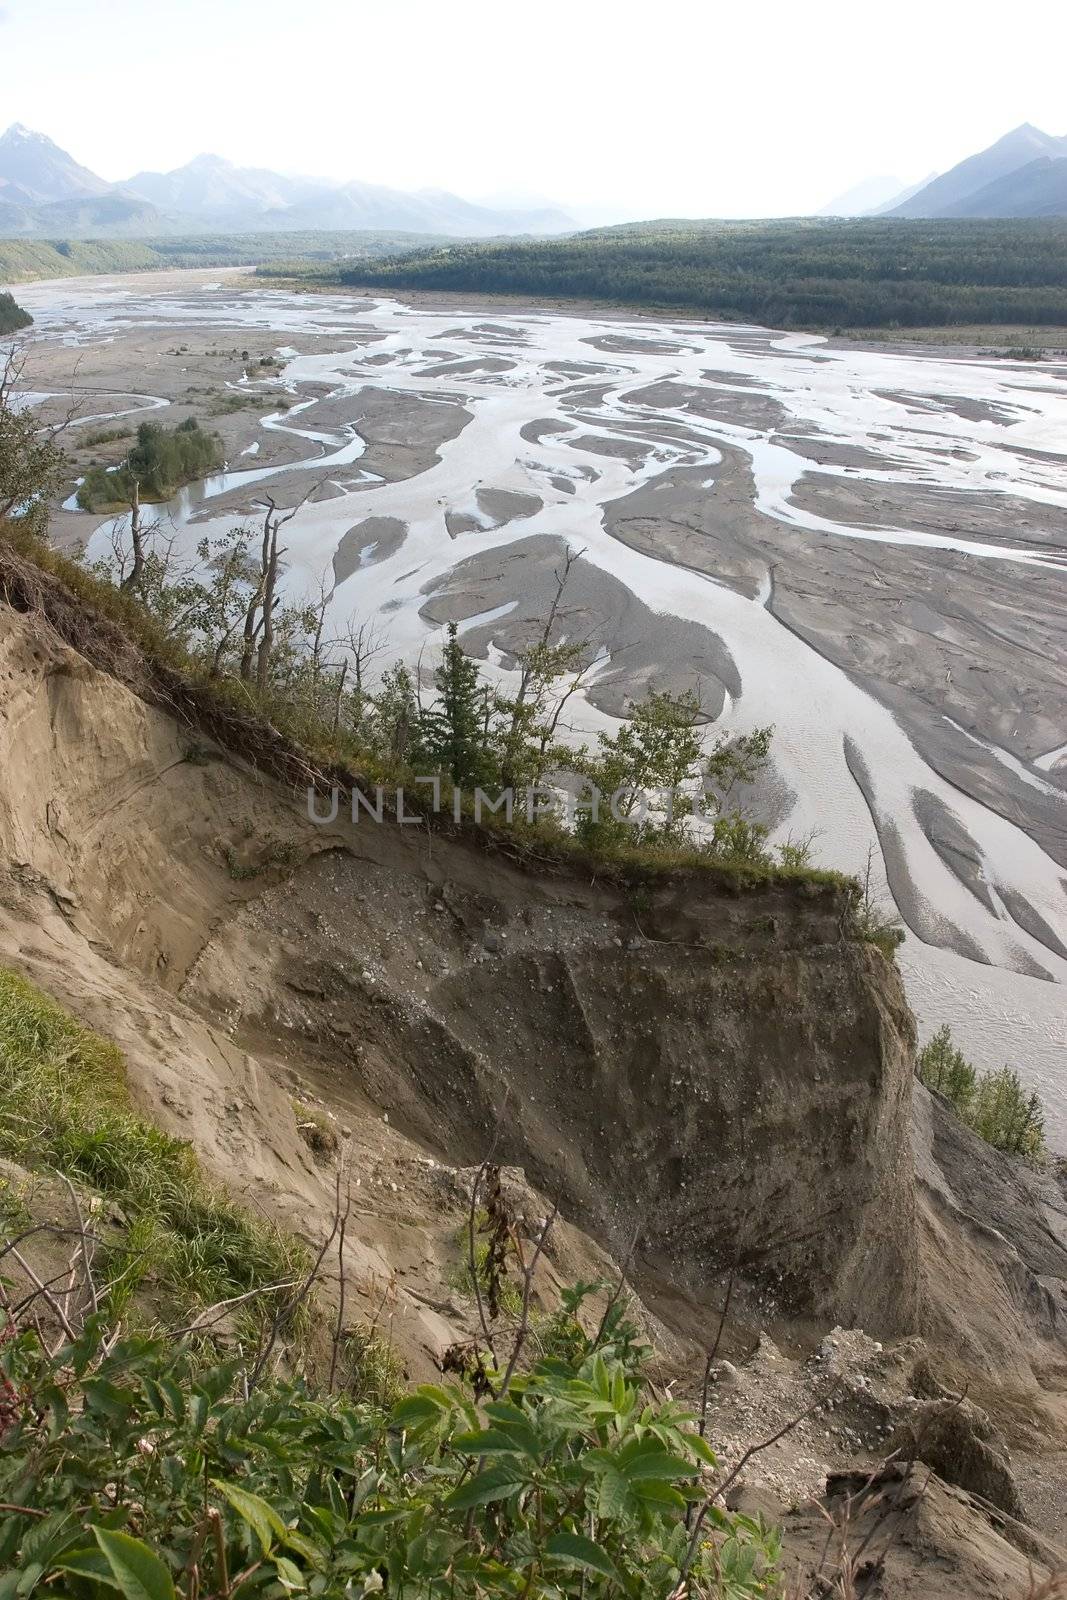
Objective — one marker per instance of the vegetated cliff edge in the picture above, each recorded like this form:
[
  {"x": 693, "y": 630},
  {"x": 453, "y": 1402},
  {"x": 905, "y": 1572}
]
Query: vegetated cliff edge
[{"x": 727, "y": 1076}]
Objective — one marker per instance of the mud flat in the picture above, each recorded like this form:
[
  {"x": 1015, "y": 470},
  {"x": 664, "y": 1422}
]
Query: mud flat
[{"x": 866, "y": 547}]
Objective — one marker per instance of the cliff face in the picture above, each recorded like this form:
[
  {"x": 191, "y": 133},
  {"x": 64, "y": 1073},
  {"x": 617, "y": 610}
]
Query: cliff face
[
  {"x": 728, "y": 1079},
  {"x": 725, "y": 1076}
]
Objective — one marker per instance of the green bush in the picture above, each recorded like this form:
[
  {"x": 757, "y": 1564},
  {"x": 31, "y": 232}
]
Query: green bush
[
  {"x": 135, "y": 1471},
  {"x": 994, "y": 1104}
]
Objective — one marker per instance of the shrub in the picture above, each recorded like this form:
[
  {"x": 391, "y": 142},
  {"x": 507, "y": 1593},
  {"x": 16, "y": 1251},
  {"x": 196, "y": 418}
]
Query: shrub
[
  {"x": 159, "y": 463},
  {"x": 131, "y": 1469},
  {"x": 12, "y": 316}
]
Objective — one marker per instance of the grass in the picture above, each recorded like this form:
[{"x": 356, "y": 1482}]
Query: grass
[
  {"x": 225, "y": 404},
  {"x": 1012, "y": 341},
  {"x": 88, "y": 441},
  {"x": 370, "y": 1368},
  {"x": 65, "y": 1104}
]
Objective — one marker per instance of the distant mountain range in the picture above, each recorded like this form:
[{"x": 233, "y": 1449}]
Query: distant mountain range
[
  {"x": 44, "y": 192},
  {"x": 1022, "y": 175}
]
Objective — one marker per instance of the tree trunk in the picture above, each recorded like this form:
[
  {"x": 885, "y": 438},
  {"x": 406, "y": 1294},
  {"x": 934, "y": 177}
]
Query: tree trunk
[{"x": 136, "y": 572}]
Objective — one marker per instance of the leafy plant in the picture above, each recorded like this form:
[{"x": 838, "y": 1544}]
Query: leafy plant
[
  {"x": 131, "y": 1469},
  {"x": 12, "y": 316}
]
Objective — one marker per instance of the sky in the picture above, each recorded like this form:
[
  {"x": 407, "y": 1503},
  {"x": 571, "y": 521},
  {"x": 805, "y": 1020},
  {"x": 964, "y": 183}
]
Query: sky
[{"x": 679, "y": 108}]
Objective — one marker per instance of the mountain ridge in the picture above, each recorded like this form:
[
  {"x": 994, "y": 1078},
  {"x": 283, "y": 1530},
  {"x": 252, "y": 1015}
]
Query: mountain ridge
[
  {"x": 209, "y": 193},
  {"x": 949, "y": 194}
]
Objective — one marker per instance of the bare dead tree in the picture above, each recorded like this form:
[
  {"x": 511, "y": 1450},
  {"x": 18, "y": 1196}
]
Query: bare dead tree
[
  {"x": 133, "y": 578},
  {"x": 258, "y": 633},
  {"x": 362, "y": 642}
]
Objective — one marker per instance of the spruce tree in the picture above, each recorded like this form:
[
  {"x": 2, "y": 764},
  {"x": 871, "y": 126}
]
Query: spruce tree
[{"x": 457, "y": 735}]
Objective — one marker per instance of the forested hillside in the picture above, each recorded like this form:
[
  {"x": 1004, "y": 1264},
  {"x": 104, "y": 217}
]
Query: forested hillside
[
  {"x": 807, "y": 273},
  {"x": 24, "y": 259}
]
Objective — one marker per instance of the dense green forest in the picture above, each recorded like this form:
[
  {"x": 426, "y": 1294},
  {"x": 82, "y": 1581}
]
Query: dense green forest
[
  {"x": 804, "y": 274},
  {"x": 23, "y": 259},
  {"x": 12, "y": 316},
  {"x": 159, "y": 463}
]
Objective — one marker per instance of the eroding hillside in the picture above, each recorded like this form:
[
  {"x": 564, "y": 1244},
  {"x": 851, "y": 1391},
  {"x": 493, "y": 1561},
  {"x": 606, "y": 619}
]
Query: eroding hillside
[{"x": 710, "y": 1083}]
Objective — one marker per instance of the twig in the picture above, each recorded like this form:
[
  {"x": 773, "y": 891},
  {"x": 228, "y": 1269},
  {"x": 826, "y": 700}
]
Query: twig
[
  {"x": 47, "y": 1294},
  {"x": 713, "y": 1352},
  {"x": 472, "y": 1253},
  {"x": 214, "y": 1313},
  {"x": 731, "y": 1477},
  {"x": 620, "y": 1286},
  {"x": 287, "y": 1311},
  {"x": 87, "y": 1259},
  {"x": 339, "y": 1323},
  {"x": 527, "y": 1290}
]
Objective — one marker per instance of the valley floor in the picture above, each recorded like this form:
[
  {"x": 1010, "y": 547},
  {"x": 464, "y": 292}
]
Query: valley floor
[{"x": 865, "y": 546}]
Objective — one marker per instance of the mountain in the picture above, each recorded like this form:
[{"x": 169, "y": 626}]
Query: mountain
[
  {"x": 34, "y": 171},
  {"x": 953, "y": 189},
  {"x": 212, "y": 188},
  {"x": 904, "y": 194},
  {"x": 220, "y": 195},
  {"x": 864, "y": 198},
  {"x": 44, "y": 191},
  {"x": 1037, "y": 190},
  {"x": 370, "y": 205}
]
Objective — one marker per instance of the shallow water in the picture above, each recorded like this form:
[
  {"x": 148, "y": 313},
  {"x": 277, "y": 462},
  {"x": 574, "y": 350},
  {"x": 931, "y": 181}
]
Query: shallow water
[{"x": 905, "y": 409}]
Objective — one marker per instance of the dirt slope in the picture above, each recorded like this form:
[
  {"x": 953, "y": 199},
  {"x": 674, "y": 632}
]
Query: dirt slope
[{"x": 728, "y": 1077}]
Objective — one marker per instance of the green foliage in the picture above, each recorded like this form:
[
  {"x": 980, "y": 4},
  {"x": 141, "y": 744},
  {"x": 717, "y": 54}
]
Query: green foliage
[
  {"x": 944, "y": 1068},
  {"x": 160, "y": 462},
  {"x": 12, "y": 316},
  {"x": 872, "y": 920},
  {"x": 856, "y": 273},
  {"x": 64, "y": 1104},
  {"x": 660, "y": 747},
  {"x": 454, "y": 731},
  {"x": 994, "y": 1104},
  {"x": 30, "y": 463},
  {"x": 143, "y": 1473},
  {"x": 22, "y": 259}
]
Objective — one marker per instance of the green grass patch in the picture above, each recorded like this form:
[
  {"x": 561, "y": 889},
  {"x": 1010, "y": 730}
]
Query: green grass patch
[
  {"x": 64, "y": 1104},
  {"x": 89, "y": 441}
]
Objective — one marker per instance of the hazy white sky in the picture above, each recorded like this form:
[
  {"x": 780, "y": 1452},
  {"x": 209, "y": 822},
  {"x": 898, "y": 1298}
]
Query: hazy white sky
[{"x": 674, "y": 108}]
